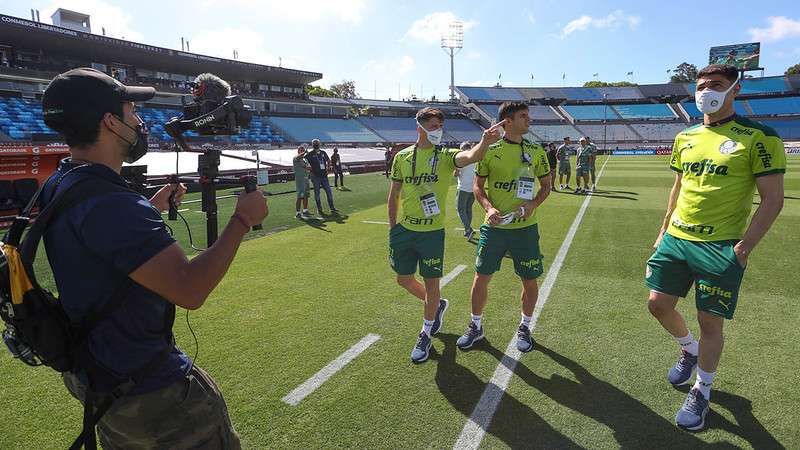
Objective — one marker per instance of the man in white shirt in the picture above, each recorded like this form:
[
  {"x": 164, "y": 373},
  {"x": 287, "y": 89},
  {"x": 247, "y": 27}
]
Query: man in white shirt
[{"x": 464, "y": 196}]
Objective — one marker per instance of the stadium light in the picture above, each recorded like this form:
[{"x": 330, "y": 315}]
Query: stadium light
[{"x": 452, "y": 43}]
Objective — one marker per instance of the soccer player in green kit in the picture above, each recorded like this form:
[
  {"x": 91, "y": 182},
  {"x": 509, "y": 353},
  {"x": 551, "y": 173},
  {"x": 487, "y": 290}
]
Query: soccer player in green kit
[
  {"x": 505, "y": 185},
  {"x": 705, "y": 238},
  {"x": 421, "y": 176}
]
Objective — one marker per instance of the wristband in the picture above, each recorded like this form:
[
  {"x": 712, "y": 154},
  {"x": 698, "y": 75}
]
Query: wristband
[
  {"x": 241, "y": 219},
  {"x": 521, "y": 211}
]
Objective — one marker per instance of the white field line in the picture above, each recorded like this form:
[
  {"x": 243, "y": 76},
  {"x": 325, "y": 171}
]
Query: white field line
[
  {"x": 312, "y": 384},
  {"x": 475, "y": 428}
]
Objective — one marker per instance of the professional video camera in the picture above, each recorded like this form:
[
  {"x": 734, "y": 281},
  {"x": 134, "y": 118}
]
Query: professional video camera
[{"x": 212, "y": 112}]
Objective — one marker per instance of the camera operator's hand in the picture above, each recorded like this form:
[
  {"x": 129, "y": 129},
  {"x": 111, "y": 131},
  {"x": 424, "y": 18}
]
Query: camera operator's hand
[
  {"x": 252, "y": 206},
  {"x": 161, "y": 198}
]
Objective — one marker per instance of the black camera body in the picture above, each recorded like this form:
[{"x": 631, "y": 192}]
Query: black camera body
[{"x": 209, "y": 118}]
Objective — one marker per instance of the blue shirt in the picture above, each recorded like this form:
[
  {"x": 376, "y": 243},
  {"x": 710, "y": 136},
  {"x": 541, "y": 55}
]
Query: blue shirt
[{"x": 91, "y": 247}]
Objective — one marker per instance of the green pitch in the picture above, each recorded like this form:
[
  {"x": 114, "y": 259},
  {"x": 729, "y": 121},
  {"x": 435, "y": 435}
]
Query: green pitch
[{"x": 299, "y": 295}]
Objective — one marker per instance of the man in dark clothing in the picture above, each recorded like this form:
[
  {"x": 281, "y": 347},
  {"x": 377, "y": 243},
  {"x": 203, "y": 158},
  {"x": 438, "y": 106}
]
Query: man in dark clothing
[
  {"x": 117, "y": 239},
  {"x": 319, "y": 162},
  {"x": 336, "y": 164},
  {"x": 552, "y": 152}
]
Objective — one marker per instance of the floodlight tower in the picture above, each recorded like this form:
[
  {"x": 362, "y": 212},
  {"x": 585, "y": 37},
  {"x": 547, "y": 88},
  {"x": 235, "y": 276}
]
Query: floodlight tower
[{"x": 452, "y": 43}]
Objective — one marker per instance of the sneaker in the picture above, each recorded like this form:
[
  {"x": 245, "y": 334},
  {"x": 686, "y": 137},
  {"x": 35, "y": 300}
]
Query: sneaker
[
  {"x": 567, "y": 188},
  {"x": 438, "y": 320},
  {"x": 307, "y": 213},
  {"x": 682, "y": 371},
  {"x": 578, "y": 190},
  {"x": 524, "y": 340},
  {"x": 422, "y": 348},
  {"x": 334, "y": 211},
  {"x": 594, "y": 187},
  {"x": 297, "y": 215},
  {"x": 470, "y": 234},
  {"x": 561, "y": 186},
  {"x": 692, "y": 415},
  {"x": 470, "y": 337}
]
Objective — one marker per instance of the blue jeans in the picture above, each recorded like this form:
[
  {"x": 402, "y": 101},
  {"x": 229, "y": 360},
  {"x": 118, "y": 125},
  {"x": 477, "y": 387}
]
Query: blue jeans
[
  {"x": 464, "y": 201},
  {"x": 325, "y": 184}
]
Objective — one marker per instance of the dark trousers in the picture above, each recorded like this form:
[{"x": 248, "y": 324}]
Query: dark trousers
[
  {"x": 464, "y": 201},
  {"x": 338, "y": 176},
  {"x": 322, "y": 181}
]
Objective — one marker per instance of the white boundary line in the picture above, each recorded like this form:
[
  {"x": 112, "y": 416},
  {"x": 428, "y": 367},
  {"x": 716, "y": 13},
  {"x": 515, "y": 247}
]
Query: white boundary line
[
  {"x": 376, "y": 222},
  {"x": 450, "y": 276},
  {"x": 475, "y": 428},
  {"x": 300, "y": 392}
]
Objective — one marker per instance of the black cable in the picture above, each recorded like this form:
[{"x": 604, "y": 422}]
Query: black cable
[{"x": 196, "y": 343}]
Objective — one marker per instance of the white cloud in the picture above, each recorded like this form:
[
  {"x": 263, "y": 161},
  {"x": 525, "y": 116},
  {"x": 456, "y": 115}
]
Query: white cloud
[
  {"x": 613, "y": 20},
  {"x": 430, "y": 28},
  {"x": 404, "y": 65},
  {"x": 780, "y": 27},
  {"x": 305, "y": 11},
  {"x": 249, "y": 43},
  {"x": 102, "y": 15}
]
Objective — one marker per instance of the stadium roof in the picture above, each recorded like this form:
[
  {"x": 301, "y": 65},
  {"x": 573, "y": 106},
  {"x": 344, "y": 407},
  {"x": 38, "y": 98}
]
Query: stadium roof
[{"x": 26, "y": 34}]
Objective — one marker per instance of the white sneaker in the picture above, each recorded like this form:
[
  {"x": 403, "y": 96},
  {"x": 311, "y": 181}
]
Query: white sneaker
[{"x": 297, "y": 215}]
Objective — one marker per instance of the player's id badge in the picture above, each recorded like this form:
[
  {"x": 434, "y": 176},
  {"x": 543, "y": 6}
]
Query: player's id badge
[
  {"x": 525, "y": 188},
  {"x": 430, "y": 206},
  {"x": 322, "y": 165}
]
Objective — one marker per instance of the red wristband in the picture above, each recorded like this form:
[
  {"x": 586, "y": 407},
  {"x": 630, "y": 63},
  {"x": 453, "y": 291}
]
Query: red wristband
[{"x": 241, "y": 219}]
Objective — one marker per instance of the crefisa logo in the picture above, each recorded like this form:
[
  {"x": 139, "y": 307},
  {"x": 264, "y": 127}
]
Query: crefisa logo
[{"x": 727, "y": 147}]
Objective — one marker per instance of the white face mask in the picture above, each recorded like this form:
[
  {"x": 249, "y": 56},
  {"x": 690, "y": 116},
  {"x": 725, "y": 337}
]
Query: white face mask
[
  {"x": 709, "y": 101},
  {"x": 434, "y": 137}
]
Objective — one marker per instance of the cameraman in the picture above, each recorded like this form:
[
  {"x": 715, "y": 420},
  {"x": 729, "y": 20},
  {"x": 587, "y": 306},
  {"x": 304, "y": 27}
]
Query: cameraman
[{"x": 119, "y": 239}]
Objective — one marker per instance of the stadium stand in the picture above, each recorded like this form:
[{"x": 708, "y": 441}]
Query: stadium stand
[
  {"x": 787, "y": 129},
  {"x": 548, "y": 133},
  {"x": 462, "y": 130},
  {"x": 20, "y": 118},
  {"x": 590, "y": 112},
  {"x": 612, "y": 133},
  {"x": 393, "y": 129},
  {"x": 775, "y": 106},
  {"x": 645, "y": 111},
  {"x": 658, "y": 131},
  {"x": 304, "y": 129},
  {"x": 491, "y": 94}
]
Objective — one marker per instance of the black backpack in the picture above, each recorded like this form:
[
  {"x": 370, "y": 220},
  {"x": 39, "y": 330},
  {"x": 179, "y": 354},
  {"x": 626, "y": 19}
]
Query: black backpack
[{"x": 38, "y": 330}]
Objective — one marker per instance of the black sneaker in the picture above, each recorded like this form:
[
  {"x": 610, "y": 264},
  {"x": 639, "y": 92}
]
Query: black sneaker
[{"x": 524, "y": 340}]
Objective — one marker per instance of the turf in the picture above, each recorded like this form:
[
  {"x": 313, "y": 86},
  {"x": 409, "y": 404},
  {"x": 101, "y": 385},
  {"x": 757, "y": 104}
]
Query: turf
[{"x": 298, "y": 297}]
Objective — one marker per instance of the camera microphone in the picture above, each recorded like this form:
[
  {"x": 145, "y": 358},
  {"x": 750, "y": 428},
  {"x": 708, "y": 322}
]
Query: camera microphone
[{"x": 209, "y": 87}]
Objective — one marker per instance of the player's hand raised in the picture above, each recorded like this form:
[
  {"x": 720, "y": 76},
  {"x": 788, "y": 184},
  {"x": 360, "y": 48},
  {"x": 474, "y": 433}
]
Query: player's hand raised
[{"x": 494, "y": 133}]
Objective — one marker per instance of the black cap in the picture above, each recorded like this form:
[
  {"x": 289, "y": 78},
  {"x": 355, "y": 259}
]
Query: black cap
[{"x": 80, "y": 97}]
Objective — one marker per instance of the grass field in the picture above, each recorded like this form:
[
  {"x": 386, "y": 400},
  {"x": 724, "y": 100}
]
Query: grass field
[{"x": 296, "y": 299}]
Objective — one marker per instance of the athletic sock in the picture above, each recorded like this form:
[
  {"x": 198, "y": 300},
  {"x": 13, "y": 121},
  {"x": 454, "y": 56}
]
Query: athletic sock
[
  {"x": 426, "y": 326},
  {"x": 688, "y": 343},
  {"x": 477, "y": 320},
  {"x": 703, "y": 382},
  {"x": 526, "y": 320}
]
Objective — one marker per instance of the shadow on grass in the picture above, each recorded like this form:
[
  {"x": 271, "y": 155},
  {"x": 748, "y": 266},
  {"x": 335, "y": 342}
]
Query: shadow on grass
[
  {"x": 606, "y": 194},
  {"x": 633, "y": 424},
  {"x": 319, "y": 223},
  {"x": 748, "y": 427},
  {"x": 462, "y": 388}
]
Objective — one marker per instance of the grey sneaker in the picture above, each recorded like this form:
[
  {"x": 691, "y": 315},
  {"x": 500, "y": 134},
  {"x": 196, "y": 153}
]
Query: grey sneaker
[
  {"x": 469, "y": 234},
  {"x": 682, "y": 371},
  {"x": 524, "y": 340},
  {"x": 422, "y": 348},
  {"x": 438, "y": 321},
  {"x": 692, "y": 415},
  {"x": 472, "y": 335}
]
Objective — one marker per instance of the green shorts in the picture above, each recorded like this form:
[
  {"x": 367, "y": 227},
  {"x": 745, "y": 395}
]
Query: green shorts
[
  {"x": 522, "y": 243},
  {"x": 564, "y": 169},
  {"x": 711, "y": 266},
  {"x": 582, "y": 171},
  {"x": 407, "y": 247}
]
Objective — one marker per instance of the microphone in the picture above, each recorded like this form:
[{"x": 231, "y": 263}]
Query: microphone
[{"x": 211, "y": 88}]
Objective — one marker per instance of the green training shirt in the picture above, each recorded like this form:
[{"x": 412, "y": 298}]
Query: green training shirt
[
  {"x": 420, "y": 182},
  {"x": 719, "y": 167},
  {"x": 505, "y": 162}
]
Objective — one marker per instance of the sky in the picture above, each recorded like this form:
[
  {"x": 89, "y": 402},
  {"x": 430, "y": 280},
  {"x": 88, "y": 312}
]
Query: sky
[{"x": 391, "y": 49}]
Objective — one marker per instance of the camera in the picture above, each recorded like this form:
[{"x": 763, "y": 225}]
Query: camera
[{"x": 212, "y": 112}]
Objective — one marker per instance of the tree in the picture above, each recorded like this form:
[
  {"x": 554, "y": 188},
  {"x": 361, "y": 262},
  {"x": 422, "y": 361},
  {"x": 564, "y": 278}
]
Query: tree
[
  {"x": 319, "y": 91},
  {"x": 794, "y": 70},
  {"x": 607, "y": 84},
  {"x": 344, "y": 89},
  {"x": 684, "y": 73}
]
